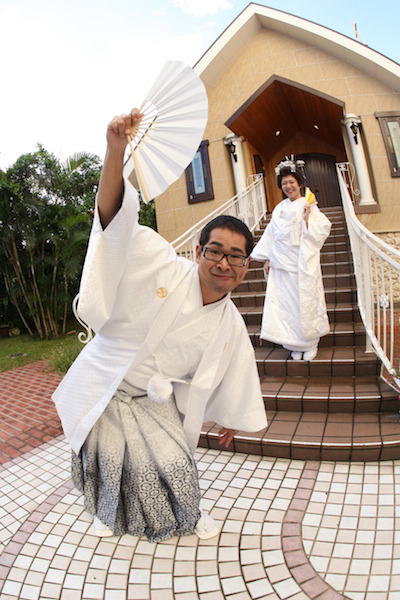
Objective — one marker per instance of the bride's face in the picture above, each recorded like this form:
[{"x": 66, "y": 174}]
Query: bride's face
[{"x": 291, "y": 187}]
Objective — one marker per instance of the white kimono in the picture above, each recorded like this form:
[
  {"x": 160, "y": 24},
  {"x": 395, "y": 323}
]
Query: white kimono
[
  {"x": 294, "y": 310},
  {"x": 135, "y": 294}
]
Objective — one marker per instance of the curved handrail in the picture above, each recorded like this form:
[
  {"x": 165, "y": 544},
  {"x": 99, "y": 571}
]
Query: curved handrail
[
  {"x": 249, "y": 206},
  {"x": 89, "y": 332},
  {"x": 377, "y": 273}
]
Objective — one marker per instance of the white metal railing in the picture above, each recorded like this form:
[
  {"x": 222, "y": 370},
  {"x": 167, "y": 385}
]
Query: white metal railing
[
  {"x": 348, "y": 173},
  {"x": 83, "y": 337},
  {"x": 377, "y": 272},
  {"x": 249, "y": 206}
]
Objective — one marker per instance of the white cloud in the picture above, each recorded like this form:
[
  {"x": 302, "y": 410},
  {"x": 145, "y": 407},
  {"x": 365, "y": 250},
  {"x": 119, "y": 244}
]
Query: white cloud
[{"x": 202, "y": 8}]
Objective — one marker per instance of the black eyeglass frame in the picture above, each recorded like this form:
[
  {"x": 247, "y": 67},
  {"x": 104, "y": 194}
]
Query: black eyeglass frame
[{"x": 224, "y": 254}]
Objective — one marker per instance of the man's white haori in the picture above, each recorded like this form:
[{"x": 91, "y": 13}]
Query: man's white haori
[
  {"x": 133, "y": 289},
  {"x": 295, "y": 313}
]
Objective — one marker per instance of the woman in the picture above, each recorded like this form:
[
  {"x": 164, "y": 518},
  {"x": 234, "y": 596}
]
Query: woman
[{"x": 294, "y": 310}]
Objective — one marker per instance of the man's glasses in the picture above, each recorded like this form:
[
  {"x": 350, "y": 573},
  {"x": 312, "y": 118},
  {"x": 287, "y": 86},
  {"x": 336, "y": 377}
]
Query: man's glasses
[{"x": 235, "y": 260}]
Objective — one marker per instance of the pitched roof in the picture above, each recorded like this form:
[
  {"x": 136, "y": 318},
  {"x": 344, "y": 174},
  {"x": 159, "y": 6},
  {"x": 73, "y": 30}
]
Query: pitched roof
[{"x": 256, "y": 17}]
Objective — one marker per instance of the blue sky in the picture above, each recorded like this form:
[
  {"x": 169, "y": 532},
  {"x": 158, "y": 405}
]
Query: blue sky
[{"x": 69, "y": 67}]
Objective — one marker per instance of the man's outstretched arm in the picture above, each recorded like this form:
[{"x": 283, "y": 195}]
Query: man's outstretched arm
[{"x": 109, "y": 196}]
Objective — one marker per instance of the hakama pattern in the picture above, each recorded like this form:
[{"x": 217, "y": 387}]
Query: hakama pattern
[{"x": 136, "y": 470}]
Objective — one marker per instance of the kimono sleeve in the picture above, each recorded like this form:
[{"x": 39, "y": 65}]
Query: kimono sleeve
[
  {"x": 318, "y": 228},
  {"x": 237, "y": 402},
  {"x": 312, "y": 239},
  {"x": 106, "y": 260},
  {"x": 262, "y": 250}
]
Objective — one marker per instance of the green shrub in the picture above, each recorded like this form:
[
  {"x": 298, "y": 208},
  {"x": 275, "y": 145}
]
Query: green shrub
[{"x": 61, "y": 358}]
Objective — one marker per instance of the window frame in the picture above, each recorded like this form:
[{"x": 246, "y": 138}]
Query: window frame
[
  {"x": 393, "y": 157},
  {"x": 206, "y": 172}
]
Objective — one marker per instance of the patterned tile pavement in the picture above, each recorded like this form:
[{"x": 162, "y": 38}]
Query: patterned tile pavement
[{"x": 289, "y": 529}]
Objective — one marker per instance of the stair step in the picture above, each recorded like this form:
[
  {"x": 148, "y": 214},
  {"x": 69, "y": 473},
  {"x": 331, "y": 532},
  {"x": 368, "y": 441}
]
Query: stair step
[
  {"x": 331, "y": 257},
  {"x": 329, "y": 281},
  {"x": 335, "y": 394},
  {"x": 338, "y": 268},
  {"x": 340, "y": 334},
  {"x": 337, "y": 239},
  {"x": 343, "y": 272},
  {"x": 337, "y": 313},
  {"x": 317, "y": 436},
  {"x": 346, "y": 361},
  {"x": 256, "y": 295},
  {"x": 336, "y": 407}
]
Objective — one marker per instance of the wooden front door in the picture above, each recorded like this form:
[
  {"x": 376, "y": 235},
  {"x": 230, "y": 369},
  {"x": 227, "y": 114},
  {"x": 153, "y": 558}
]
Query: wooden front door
[{"x": 321, "y": 178}]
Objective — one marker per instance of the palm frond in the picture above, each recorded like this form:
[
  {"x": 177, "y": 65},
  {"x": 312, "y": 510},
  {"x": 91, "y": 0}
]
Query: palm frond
[{"x": 76, "y": 160}]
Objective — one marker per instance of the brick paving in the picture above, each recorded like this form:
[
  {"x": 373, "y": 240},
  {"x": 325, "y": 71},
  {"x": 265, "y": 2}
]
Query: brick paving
[{"x": 28, "y": 417}]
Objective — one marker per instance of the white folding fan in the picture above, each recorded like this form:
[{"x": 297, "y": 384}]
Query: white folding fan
[{"x": 175, "y": 112}]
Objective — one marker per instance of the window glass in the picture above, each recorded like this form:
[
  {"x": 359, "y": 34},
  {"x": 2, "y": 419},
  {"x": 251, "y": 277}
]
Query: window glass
[
  {"x": 198, "y": 176},
  {"x": 390, "y": 128},
  {"x": 394, "y": 140}
]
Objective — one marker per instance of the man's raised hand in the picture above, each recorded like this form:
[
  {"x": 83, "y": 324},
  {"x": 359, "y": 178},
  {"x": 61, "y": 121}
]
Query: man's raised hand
[{"x": 120, "y": 127}]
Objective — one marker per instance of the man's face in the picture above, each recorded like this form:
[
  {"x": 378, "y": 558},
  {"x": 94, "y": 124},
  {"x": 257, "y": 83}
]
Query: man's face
[{"x": 219, "y": 278}]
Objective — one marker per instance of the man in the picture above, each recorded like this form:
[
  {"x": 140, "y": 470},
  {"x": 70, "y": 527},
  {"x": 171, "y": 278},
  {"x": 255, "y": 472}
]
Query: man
[{"x": 170, "y": 352}]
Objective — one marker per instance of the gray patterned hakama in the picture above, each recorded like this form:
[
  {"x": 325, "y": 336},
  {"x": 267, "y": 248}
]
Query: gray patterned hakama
[{"x": 136, "y": 470}]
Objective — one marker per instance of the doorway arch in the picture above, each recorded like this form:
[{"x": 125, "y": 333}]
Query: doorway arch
[{"x": 283, "y": 118}]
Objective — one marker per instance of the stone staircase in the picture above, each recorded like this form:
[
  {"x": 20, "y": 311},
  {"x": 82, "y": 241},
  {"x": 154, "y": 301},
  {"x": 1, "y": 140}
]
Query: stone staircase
[{"x": 335, "y": 407}]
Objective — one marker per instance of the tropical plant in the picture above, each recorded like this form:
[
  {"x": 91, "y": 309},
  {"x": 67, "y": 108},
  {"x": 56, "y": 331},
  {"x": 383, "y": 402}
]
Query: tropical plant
[
  {"x": 45, "y": 219},
  {"x": 147, "y": 214},
  {"x": 46, "y": 210}
]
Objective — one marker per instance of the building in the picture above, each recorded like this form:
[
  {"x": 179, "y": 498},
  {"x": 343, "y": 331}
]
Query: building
[{"x": 279, "y": 85}]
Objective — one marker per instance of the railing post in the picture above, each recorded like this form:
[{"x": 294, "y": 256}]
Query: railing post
[
  {"x": 367, "y": 293},
  {"x": 193, "y": 246}
]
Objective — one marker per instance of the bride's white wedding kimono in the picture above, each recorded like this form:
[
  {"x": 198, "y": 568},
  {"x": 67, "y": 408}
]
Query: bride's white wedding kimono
[
  {"x": 145, "y": 306},
  {"x": 294, "y": 310}
]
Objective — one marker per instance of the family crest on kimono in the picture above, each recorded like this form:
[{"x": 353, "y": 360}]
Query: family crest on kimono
[
  {"x": 170, "y": 351},
  {"x": 295, "y": 314}
]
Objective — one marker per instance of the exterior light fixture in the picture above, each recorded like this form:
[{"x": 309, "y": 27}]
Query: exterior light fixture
[
  {"x": 232, "y": 149},
  {"x": 355, "y": 129}
]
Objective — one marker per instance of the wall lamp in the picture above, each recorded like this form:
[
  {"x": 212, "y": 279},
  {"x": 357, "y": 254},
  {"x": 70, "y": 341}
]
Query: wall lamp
[
  {"x": 354, "y": 128},
  {"x": 232, "y": 149}
]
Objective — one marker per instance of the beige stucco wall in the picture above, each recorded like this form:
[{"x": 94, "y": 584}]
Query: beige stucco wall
[
  {"x": 174, "y": 213},
  {"x": 271, "y": 53},
  {"x": 392, "y": 280}
]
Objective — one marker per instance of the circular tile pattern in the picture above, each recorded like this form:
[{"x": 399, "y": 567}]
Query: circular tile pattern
[{"x": 289, "y": 530}]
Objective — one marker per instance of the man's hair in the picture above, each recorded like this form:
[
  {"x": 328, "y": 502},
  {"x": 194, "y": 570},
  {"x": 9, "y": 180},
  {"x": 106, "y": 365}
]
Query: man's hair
[
  {"x": 287, "y": 171},
  {"x": 228, "y": 222}
]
